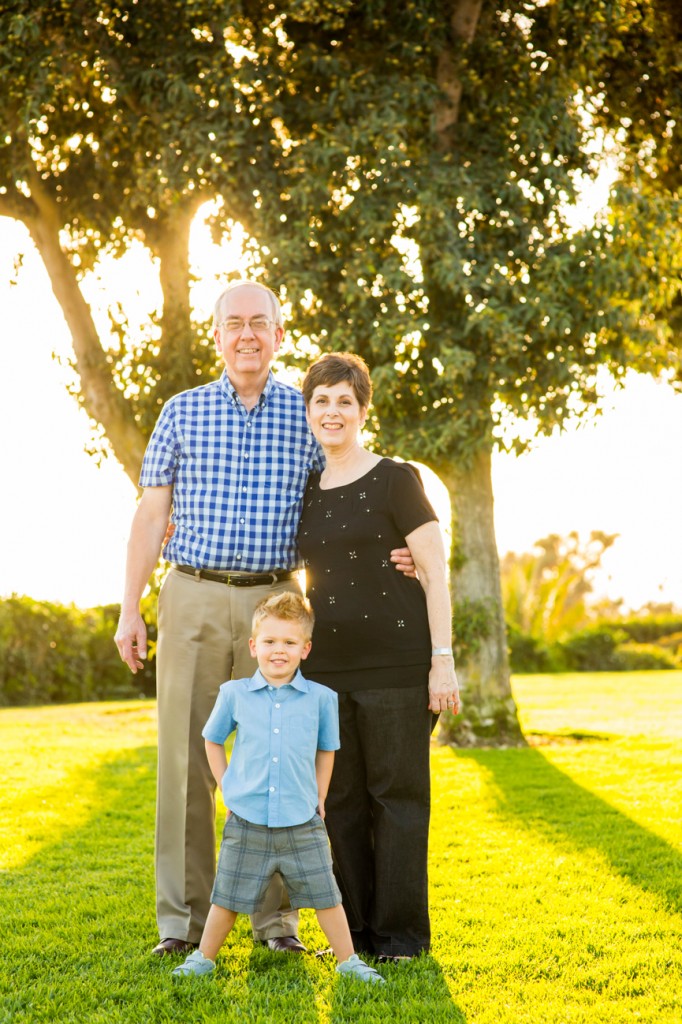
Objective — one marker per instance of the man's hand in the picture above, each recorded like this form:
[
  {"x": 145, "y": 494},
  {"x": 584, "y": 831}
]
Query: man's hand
[
  {"x": 403, "y": 562},
  {"x": 131, "y": 640}
]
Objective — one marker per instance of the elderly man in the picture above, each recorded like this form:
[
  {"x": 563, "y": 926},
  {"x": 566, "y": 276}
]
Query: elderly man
[{"x": 227, "y": 463}]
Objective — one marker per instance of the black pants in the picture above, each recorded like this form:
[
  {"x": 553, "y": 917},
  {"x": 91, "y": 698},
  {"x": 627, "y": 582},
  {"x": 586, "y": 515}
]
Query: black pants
[{"x": 377, "y": 816}]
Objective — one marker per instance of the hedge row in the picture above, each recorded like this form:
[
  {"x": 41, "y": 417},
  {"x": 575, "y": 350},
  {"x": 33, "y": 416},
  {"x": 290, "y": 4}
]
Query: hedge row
[
  {"x": 52, "y": 654},
  {"x": 627, "y": 645}
]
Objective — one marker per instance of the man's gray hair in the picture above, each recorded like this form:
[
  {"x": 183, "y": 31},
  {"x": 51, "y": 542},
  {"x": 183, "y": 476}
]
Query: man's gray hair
[{"x": 276, "y": 314}]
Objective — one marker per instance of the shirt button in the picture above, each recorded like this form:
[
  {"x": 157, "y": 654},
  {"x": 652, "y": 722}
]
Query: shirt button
[
  {"x": 272, "y": 789},
  {"x": 275, "y": 760},
  {"x": 278, "y": 705},
  {"x": 275, "y": 730},
  {"x": 242, "y": 521}
]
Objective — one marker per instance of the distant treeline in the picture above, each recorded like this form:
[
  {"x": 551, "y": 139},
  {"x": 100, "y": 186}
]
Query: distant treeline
[{"x": 56, "y": 654}]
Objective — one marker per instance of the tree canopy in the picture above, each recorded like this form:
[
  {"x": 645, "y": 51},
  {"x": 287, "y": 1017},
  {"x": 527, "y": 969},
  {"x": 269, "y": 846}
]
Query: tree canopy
[
  {"x": 406, "y": 179},
  {"x": 423, "y": 206}
]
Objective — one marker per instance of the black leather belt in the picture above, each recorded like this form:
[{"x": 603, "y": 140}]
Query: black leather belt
[{"x": 238, "y": 579}]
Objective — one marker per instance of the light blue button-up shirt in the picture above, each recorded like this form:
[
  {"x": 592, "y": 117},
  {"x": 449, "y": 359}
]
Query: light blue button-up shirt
[{"x": 270, "y": 779}]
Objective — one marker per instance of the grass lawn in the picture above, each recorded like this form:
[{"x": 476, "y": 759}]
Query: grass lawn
[{"x": 555, "y": 875}]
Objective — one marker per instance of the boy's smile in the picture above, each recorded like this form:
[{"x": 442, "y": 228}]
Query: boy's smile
[{"x": 280, "y": 645}]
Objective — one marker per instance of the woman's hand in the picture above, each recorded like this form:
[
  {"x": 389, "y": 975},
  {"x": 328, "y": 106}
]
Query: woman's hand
[{"x": 443, "y": 685}]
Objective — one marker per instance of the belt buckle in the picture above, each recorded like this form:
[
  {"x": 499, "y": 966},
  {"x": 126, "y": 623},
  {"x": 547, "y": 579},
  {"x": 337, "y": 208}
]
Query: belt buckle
[{"x": 234, "y": 580}]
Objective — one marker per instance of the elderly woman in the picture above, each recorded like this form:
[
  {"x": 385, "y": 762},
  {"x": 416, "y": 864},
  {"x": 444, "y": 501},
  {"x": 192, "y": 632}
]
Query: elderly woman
[{"x": 382, "y": 641}]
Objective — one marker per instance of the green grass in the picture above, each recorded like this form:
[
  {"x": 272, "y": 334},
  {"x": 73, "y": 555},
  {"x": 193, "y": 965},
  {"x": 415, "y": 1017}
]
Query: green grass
[{"x": 555, "y": 874}]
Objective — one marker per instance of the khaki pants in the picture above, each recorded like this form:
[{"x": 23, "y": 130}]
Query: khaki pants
[{"x": 204, "y": 629}]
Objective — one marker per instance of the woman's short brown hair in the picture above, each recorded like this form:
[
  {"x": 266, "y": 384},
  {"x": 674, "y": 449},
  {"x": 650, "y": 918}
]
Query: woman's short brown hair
[{"x": 336, "y": 367}]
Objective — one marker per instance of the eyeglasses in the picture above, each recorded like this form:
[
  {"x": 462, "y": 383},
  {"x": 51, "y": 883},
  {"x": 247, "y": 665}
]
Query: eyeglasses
[{"x": 236, "y": 324}]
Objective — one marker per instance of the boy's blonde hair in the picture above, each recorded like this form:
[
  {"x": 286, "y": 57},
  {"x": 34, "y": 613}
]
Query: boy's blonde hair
[{"x": 288, "y": 606}]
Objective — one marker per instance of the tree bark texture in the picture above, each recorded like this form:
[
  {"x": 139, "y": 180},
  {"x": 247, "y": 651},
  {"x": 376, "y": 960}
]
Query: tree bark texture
[
  {"x": 463, "y": 22},
  {"x": 488, "y": 710}
]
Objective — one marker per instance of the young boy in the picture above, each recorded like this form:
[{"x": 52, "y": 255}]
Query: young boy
[{"x": 275, "y": 787}]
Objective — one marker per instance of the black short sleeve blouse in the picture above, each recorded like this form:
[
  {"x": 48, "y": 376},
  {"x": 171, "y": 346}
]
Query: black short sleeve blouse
[{"x": 368, "y": 616}]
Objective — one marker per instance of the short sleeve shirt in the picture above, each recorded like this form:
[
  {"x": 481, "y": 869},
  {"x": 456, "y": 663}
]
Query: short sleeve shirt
[
  {"x": 367, "y": 615},
  {"x": 271, "y": 779},
  {"x": 238, "y": 475}
]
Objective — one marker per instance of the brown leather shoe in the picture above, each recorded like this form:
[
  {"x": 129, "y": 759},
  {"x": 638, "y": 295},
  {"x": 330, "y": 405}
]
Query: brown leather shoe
[
  {"x": 285, "y": 944},
  {"x": 169, "y": 947}
]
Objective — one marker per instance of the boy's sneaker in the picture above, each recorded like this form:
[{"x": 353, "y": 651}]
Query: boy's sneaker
[
  {"x": 195, "y": 965},
  {"x": 359, "y": 969}
]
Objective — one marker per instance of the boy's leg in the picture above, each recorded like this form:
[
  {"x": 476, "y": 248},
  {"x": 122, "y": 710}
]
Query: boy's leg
[
  {"x": 334, "y": 924},
  {"x": 219, "y": 924},
  {"x": 200, "y": 963}
]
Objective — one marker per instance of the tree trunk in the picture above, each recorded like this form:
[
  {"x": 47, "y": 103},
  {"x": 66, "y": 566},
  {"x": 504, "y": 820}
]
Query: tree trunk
[
  {"x": 488, "y": 711},
  {"x": 100, "y": 398},
  {"x": 171, "y": 245}
]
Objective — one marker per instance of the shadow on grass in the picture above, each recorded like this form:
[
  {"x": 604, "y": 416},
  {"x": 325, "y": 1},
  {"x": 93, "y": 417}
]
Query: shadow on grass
[
  {"x": 280, "y": 987},
  {"x": 549, "y": 802},
  {"x": 103, "y": 863},
  {"x": 415, "y": 992},
  {"x": 78, "y": 925}
]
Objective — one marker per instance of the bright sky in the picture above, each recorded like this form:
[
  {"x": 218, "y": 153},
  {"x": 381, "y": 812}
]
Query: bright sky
[{"x": 65, "y": 521}]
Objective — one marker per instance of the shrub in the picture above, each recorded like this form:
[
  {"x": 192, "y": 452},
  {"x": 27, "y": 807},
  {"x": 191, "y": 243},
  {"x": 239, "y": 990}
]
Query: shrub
[
  {"x": 642, "y": 657},
  {"x": 593, "y": 650},
  {"x": 528, "y": 654},
  {"x": 650, "y": 628},
  {"x": 50, "y": 653}
]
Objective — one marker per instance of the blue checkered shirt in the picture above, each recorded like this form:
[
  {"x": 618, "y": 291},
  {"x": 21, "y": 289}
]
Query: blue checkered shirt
[{"x": 238, "y": 477}]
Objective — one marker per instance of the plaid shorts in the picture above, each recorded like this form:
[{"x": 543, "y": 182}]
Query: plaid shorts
[{"x": 251, "y": 854}]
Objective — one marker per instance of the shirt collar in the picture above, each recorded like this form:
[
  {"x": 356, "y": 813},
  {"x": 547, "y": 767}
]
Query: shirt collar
[
  {"x": 259, "y": 682},
  {"x": 229, "y": 390}
]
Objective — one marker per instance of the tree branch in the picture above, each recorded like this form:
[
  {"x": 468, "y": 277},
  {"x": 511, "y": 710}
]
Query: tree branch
[
  {"x": 100, "y": 398},
  {"x": 463, "y": 23}
]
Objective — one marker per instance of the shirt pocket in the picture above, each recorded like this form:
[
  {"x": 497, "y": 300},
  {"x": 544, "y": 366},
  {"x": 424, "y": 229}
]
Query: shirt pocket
[{"x": 302, "y": 726}]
